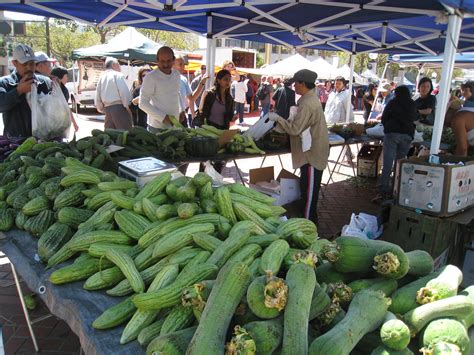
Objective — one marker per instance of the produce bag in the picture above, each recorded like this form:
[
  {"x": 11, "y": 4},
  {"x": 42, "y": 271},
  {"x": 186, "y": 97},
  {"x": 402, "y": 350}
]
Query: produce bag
[
  {"x": 217, "y": 179},
  {"x": 375, "y": 131},
  {"x": 50, "y": 114},
  {"x": 363, "y": 226},
  {"x": 262, "y": 126}
]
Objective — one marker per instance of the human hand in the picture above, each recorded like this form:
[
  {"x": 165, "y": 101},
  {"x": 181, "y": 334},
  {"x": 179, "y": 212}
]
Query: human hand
[
  {"x": 204, "y": 79},
  {"x": 272, "y": 116},
  {"x": 136, "y": 100},
  {"x": 167, "y": 120},
  {"x": 24, "y": 86}
]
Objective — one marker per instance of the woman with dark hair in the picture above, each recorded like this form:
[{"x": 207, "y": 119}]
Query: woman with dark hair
[
  {"x": 217, "y": 105},
  {"x": 368, "y": 101},
  {"x": 139, "y": 116},
  {"x": 61, "y": 74},
  {"x": 398, "y": 124},
  {"x": 284, "y": 98},
  {"x": 426, "y": 103}
]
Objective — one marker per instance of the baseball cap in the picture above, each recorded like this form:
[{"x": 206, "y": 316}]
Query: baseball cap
[
  {"x": 385, "y": 87},
  {"x": 23, "y": 53},
  {"x": 304, "y": 75},
  {"x": 42, "y": 57}
]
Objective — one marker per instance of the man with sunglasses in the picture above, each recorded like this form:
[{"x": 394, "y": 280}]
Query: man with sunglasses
[{"x": 15, "y": 92}]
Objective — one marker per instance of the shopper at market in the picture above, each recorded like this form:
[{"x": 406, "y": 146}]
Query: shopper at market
[
  {"x": 463, "y": 120},
  {"x": 195, "y": 84},
  {"x": 324, "y": 91},
  {"x": 60, "y": 74},
  {"x": 336, "y": 105},
  {"x": 44, "y": 64},
  {"x": 252, "y": 88},
  {"x": 217, "y": 107},
  {"x": 240, "y": 90},
  {"x": 15, "y": 89},
  {"x": 229, "y": 66},
  {"x": 265, "y": 93},
  {"x": 159, "y": 95},
  {"x": 398, "y": 123},
  {"x": 309, "y": 140},
  {"x": 113, "y": 96},
  {"x": 368, "y": 101},
  {"x": 284, "y": 98},
  {"x": 186, "y": 96},
  {"x": 426, "y": 103},
  {"x": 138, "y": 115}
]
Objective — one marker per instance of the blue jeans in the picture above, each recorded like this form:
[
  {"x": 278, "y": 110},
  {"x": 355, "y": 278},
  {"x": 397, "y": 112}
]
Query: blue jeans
[
  {"x": 395, "y": 146},
  {"x": 265, "y": 109},
  {"x": 239, "y": 109}
]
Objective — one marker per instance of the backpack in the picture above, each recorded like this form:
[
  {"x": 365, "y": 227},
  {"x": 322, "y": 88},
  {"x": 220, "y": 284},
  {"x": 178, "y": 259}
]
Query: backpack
[
  {"x": 262, "y": 91},
  {"x": 249, "y": 93}
]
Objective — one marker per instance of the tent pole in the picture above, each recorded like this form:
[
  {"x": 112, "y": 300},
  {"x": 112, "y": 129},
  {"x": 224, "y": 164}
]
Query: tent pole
[
  {"x": 351, "y": 78},
  {"x": 452, "y": 38},
  {"x": 210, "y": 53},
  {"x": 213, "y": 62}
]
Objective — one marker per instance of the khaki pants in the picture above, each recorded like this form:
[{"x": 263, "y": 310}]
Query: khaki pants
[{"x": 117, "y": 117}]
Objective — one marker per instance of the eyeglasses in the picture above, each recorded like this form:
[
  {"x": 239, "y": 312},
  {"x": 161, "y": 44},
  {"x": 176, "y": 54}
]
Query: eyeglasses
[{"x": 203, "y": 68}]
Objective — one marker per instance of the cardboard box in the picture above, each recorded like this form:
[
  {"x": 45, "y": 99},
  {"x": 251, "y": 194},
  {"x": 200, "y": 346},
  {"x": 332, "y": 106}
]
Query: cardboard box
[
  {"x": 289, "y": 184},
  {"x": 436, "y": 189},
  {"x": 369, "y": 160},
  {"x": 411, "y": 231}
]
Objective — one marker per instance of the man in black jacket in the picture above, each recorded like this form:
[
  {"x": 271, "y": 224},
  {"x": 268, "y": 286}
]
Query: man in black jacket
[{"x": 15, "y": 89}]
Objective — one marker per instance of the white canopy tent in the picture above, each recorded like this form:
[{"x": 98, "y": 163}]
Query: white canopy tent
[
  {"x": 323, "y": 68},
  {"x": 345, "y": 71}
]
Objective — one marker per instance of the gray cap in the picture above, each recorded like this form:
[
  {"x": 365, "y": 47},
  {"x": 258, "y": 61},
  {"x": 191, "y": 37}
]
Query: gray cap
[
  {"x": 23, "y": 53},
  {"x": 43, "y": 57},
  {"x": 305, "y": 75}
]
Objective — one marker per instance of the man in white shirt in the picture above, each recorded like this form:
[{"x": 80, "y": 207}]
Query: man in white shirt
[
  {"x": 240, "y": 89},
  {"x": 335, "y": 110},
  {"x": 186, "y": 96},
  {"x": 113, "y": 97}
]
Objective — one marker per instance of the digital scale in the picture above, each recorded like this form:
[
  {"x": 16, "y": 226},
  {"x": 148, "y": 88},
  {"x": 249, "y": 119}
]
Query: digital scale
[{"x": 142, "y": 170}]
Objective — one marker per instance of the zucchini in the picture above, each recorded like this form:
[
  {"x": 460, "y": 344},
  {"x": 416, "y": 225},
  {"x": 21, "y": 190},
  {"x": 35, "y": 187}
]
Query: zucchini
[
  {"x": 301, "y": 281},
  {"x": 174, "y": 343},
  {"x": 443, "y": 286},
  {"x": 230, "y": 286},
  {"x": 346, "y": 334},
  {"x": 456, "y": 306},
  {"x": 267, "y": 296}
]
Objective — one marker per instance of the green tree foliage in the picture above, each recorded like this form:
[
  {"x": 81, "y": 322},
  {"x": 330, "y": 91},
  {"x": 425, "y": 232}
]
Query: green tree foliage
[{"x": 66, "y": 36}]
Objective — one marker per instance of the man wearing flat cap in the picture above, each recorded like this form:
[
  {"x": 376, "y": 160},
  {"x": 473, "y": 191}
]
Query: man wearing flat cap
[
  {"x": 15, "y": 92},
  {"x": 309, "y": 140}
]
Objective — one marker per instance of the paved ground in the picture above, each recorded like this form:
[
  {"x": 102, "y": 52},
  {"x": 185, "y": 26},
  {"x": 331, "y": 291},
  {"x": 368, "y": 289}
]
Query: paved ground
[{"x": 339, "y": 200}]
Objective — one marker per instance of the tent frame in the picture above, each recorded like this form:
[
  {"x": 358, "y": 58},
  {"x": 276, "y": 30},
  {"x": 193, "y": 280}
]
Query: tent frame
[{"x": 311, "y": 34}]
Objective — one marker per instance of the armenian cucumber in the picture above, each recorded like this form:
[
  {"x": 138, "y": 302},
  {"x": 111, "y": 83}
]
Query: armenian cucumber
[{"x": 115, "y": 315}]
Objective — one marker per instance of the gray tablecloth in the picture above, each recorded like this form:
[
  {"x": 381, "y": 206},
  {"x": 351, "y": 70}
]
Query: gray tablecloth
[{"x": 70, "y": 302}]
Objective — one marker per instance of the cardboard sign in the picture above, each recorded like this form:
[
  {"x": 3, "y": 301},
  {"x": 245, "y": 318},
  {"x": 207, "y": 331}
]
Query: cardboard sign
[{"x": 227, "y": 136}]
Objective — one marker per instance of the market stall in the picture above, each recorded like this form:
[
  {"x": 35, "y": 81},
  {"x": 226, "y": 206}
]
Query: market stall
[{"x": 160, "y": 244}]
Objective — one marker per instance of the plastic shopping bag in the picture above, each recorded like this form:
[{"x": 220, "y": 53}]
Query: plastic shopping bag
[
  {"x": 217, "y": 179},
  {"x": 376, "y": 131},
  {"x": 50, "y": 114},
  {"x": 363, "y": 226},
  {"x": 470, "y": 137}
]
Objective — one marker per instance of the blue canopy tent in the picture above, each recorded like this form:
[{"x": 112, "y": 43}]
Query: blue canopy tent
[
  {"x": 354, "y": 26},
  {"x": 462, "y": 60}
]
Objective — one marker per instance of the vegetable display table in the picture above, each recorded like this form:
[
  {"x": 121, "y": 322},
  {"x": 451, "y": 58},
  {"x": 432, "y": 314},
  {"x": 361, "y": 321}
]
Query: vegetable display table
[{"x": 70, "y": 302}]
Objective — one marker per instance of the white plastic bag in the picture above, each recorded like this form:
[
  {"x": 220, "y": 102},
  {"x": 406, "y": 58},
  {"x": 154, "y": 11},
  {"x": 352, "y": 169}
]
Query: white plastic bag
[
  {"x": 363, "y": 226},
  {"x": 375, "y": 131},
  {"x": 261, "y": 127},
  {"x": 418, "y": 137},
  {"x": 217, "y": 179},
  {"x": 50, "y": 114}
]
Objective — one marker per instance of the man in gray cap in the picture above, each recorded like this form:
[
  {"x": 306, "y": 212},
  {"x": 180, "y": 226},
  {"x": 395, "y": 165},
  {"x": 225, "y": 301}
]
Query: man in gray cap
[
  {"x": 15, "y": 88},
  {"x": 44, "y": 64},
  {"x": 309, "y": 140}
]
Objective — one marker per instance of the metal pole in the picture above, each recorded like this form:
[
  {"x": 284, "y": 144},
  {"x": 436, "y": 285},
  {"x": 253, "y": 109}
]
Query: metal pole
[
  {"x": 210, "y": 68},
  {"x": 351, "y": 77},
  {"x": 452, "y": 38},
  {"x": 23, "y": 306},
  {"x": 48, "y": 39}
]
